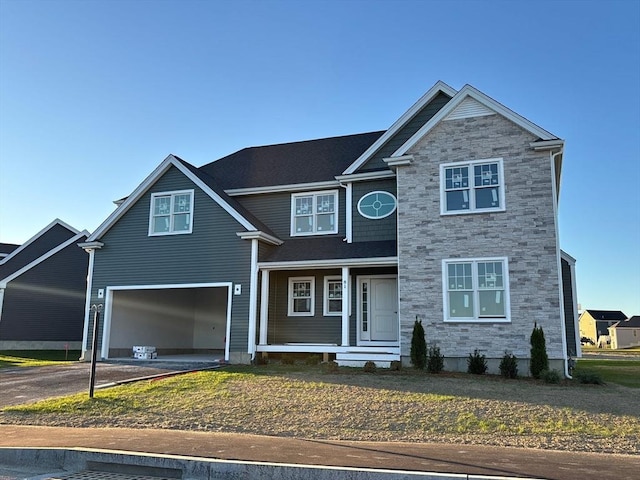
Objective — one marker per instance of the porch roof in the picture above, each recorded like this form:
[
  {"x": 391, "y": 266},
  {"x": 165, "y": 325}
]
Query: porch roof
[{"x": 329, "y": 248}]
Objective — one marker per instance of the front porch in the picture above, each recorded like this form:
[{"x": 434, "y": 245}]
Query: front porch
[{"x": 350, "y": 311}]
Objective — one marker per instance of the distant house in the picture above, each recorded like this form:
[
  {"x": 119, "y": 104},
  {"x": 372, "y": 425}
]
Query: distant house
[
  {"x": 42, "y": 285},
  {"x": 595, "y": 323},
  {"x": 337, "y": 245},
  {"x": 626, "y": 333}
]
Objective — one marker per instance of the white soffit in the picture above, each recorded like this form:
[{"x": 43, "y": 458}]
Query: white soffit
[{"x": 468, "y": 108}]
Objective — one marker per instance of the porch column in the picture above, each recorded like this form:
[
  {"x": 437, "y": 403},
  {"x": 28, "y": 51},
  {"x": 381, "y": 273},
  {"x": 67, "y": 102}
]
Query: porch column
[
  {"x": 264, "y": 307},
  {"x": 253, "y": 298},
  {"x": 346, "y": 298}
]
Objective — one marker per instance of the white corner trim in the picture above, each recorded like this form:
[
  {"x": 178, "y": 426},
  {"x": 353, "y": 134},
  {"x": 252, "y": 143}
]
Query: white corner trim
[
  {"x": 401, "y": 122},
  {"x": 469, "y": 91},
  {"x": 149, "y": 181},
  {"x": 57, "y": 221},
  {"x": 37, "y": 261}
]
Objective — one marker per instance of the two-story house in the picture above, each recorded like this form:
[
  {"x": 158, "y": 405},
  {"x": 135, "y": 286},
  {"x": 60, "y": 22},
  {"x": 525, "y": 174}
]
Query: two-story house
[{"x": 338, "y": 245}]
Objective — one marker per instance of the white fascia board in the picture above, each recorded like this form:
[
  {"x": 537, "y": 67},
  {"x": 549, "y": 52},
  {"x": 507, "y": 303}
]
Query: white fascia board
[
  {"x": 260, "y": 235},
  {"x": 469, "y": 91},
  {"x": 37, "y": 261},
  {"x": 91, "y": 245},
  {"x": 149, "y": 181},
  {"x": 564, "y": 255},
  {"x": 332, "y": 263},
  {"x": 362, "y": 177},
  {"x": 401, "y": 122},
  {"x": 292, "y": 187},
  {"x": 57, "y": 221}
]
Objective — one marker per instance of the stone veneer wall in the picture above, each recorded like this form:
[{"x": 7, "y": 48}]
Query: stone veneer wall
[{"x": 525, "y": 233}]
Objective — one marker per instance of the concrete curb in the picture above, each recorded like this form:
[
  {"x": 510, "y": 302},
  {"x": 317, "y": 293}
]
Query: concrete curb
[{"x": 198, "y": 468}]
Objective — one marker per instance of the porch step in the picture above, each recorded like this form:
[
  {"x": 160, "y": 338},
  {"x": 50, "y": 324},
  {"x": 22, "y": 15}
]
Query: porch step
[{"x": 358, "y": 359}]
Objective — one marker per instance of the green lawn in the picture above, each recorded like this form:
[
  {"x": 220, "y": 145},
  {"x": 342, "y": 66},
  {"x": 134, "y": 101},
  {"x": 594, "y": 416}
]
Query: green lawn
[
  {"x": 36, "y": 358},
  {"x": 622, "y": 372}
]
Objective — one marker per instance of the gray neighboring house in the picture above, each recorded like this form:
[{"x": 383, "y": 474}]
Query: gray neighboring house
[
  {"x": 42, "y": 290},
  {"x": 337, "y": 245}
]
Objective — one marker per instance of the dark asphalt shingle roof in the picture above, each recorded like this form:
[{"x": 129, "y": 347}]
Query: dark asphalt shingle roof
[
  {"x": 611, "y": 315},
  {"x": 633, "y": 322},
  {"x": 326, "y": 248},
  {"x": 289, "y": 163},
  {"x": 7, "y": 248}
]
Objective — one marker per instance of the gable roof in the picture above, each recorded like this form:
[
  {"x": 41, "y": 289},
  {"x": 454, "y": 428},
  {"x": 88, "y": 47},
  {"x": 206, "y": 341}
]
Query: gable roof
[
  {"x": 49, "y": 237},
  {"x": 287, "y": 163},
  {"x": 17, "y": 272},
  {"x": 399, "y": 124},
  {"x": 200, "y": 179},
  {"x": 633, "y": 322},
  {"x": 481, "y": 100},
  {"x": 7, "y": 248},
  {"x": 609, "y": 315}
]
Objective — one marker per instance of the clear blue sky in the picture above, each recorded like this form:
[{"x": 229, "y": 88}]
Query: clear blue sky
[{"x": 95, "y": 94}]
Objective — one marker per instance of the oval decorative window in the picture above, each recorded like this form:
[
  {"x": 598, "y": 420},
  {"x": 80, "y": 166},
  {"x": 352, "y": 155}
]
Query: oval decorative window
[{"x": 376, "y": 205}]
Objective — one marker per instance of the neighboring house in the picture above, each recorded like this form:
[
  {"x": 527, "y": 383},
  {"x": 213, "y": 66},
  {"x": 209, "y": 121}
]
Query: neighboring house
[
  {"x": 594, "y": 324},
  {"x": 42, "y": 291},
  {"x": 6, "y": 249},
  {"x": 626, "y": 333},
  {"x": 338, "y": 245}
]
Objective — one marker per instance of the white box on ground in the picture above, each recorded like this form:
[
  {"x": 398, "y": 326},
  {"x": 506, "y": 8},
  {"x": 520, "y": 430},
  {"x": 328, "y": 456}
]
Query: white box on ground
[
  {"x": 145, "y": 355},
  {"x": 143, "y": 349}
]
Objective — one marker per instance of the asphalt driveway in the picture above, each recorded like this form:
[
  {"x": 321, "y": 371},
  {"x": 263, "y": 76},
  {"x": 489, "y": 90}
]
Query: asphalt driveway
[{"x": 29, "y": 384}]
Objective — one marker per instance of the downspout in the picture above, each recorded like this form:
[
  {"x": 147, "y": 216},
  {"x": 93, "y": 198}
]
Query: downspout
[
  {"x": 552, "y": 157},
  {"x": 348, "y": 218}
]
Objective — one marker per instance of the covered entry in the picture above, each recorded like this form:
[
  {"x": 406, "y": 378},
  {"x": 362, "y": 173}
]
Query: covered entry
[{"x": 176, "y": 319}]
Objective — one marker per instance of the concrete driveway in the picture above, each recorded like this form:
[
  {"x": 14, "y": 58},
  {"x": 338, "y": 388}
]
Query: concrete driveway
[{"x": 30, "y": 384}]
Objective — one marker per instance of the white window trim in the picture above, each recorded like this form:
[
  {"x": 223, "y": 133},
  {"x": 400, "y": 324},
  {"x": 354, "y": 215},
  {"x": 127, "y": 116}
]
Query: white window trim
[
  {"x": 474, "y": 272},
  {"x": 395, "y": 205},
  {"x": 314, "y": 214},
  {"x": 311, "y": 313},
  {"x": 171, "y": 214},
  {"x": 470, "y": 164},
  {"x": 325, "y": 296}
]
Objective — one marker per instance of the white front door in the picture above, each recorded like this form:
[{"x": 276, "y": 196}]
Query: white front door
[{"x": 378, "y": 308}]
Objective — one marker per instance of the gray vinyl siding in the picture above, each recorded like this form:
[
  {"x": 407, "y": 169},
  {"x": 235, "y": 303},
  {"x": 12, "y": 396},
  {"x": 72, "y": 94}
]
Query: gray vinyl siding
[
  {"x": 274, "y": 210},
  {"x": 422, "y": 117},
  {"x": 569, "y": 314},
  {"x": 46, "y": 303},
  {"x": 316, "y": 329},
  {"x": 366, "y": 229},
  {"x": 211, "y": 253},
  {"x": 49, "y": 240}
]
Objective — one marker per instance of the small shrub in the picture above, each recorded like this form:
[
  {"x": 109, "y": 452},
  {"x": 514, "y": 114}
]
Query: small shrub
[
  {"x": 551, "y": 376},
  {"x": 313, "y": 360},
  {"x": 418, "y": 346},
  {"x": 509, "y": 366},
  {"x": 331, "y": 367},
  {"x": 287, "y": 359},
  {"x": 591, "y": 378},
  {"x": 370, "y": 367},
  {"x": 539, "y": 357},
  {"x": 476, "y": 363},
  {"x": 395, "y": 366},
  {"x": 435, "y": 361}
]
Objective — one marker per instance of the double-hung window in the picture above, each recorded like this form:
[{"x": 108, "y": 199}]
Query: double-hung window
[
  {"x": 171, "y": 213},
  {"x": 314, "y": 213},
  {"x": 332, "y": 296},
  {"x": 476, "y": 290},
  {"x": 472, "y": 187},
  {"x": 301, "y": 296}
]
